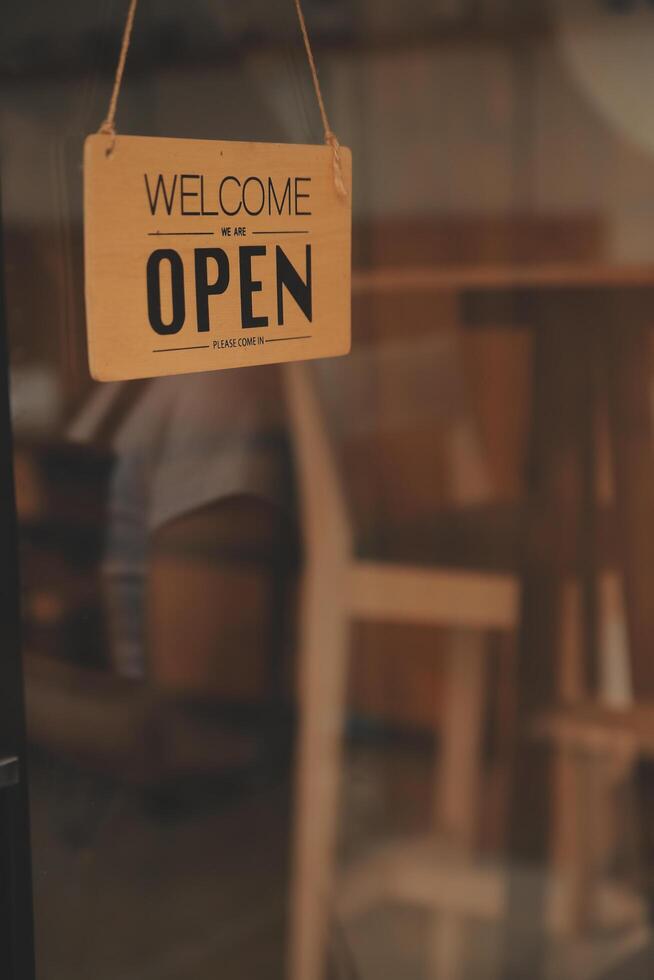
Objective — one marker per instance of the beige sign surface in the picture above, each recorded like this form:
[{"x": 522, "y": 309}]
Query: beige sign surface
[{"x": 201, "y": 255}]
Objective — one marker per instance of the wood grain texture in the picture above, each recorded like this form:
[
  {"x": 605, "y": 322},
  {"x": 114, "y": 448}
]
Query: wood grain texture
[{"x": 136, "y": 202}]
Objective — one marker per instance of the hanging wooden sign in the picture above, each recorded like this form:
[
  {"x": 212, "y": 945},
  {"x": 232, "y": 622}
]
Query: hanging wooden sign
[{"x": 203, "y": 255}]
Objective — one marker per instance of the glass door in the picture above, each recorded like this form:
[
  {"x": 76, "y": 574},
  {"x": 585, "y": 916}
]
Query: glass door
[{"x": 342, "y": 671}]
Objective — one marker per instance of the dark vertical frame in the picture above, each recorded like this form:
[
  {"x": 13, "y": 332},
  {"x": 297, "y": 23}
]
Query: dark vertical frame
[{"x": 16, "y": 916}]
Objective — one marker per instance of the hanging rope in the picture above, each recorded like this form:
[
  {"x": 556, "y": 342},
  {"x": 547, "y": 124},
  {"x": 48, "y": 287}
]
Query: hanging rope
[
  {"x": 108, "y": 127},
  {"x": 330, "y": 138}
]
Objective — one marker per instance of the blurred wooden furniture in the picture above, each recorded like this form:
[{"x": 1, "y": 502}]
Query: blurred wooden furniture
[
  {"x": 339, "y": 588},
  {"x": 608, "y": 748},
  {"x": 591, "y": 322},
  {"x": 592, "y": 355},
  {"x": 591, "y": 326}
]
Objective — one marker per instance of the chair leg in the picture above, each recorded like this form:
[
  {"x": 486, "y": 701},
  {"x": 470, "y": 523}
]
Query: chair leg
[
  {"x": 448, "y": 948},
  {"x": 321, "y": 697},
  {"x": 569, "y": 843},
  {"x": 459, "y": 773}
]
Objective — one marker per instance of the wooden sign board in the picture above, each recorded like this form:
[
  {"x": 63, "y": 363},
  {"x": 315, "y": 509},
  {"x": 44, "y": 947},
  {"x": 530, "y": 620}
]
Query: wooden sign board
[{"x": 203, "y": 255}]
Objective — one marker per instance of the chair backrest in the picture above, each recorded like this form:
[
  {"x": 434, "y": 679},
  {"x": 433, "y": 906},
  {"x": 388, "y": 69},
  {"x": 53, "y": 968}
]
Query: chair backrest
[
  {"x": 401, "y": 386},
  {"x": 325, "y": 519}
]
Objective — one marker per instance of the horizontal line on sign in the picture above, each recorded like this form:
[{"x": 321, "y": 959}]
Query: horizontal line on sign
[
  {"x": 163, "y": 350},
  {"x": 275, "y": 232},
  {"x": 275, "y": 340},
  {"x": 160, "y": 233}
]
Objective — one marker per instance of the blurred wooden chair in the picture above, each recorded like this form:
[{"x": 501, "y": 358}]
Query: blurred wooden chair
[{"x": 338, "y": 588}]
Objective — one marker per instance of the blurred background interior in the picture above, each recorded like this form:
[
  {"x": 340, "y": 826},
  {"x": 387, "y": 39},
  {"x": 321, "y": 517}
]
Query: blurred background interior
[{"x": 344, "y": 671}]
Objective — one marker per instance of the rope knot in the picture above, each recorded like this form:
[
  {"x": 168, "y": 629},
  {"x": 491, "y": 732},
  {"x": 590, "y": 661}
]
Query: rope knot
[
  {"x": 339, "y": 180},
  {"x": 330, "y": 138},
  {"x": 108, "y": 129}
]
